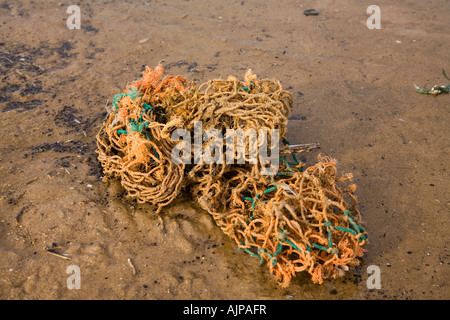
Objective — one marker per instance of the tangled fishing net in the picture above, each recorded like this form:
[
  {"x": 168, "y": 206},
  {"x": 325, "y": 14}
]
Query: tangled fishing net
[{"x": 298, "y": 219}]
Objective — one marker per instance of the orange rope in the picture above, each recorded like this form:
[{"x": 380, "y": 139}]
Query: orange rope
[{"x": 299, "y": 221}]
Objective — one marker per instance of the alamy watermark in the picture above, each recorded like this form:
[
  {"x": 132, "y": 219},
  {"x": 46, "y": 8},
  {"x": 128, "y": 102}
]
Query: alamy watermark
[
  {"x": 241, "y": 147},
  {"x": 74, "y": 280},
  {"x": 374, "y": 21},
  {"x": 374, "y": 279},
  {"x": 74, "y": 20}
]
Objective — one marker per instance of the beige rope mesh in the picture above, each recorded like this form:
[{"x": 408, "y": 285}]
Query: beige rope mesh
[{"x": 297, "y": 220}]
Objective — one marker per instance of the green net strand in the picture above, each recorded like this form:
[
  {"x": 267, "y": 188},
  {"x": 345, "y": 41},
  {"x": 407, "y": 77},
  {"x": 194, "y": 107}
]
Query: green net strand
[
  {"x": 356, "y": 226},
  {"x": 120, "y": 95}
]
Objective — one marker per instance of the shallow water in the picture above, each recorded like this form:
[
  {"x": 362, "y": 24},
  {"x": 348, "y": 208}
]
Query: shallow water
[{"x": 353, "y": 93}]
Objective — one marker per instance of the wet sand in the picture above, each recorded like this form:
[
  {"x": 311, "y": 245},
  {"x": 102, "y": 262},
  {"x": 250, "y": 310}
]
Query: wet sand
[{"x": 353, "y": 93}]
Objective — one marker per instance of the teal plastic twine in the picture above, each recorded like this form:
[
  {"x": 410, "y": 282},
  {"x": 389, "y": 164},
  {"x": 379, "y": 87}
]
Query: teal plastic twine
[
  {"x": 356, "y": 226},
  {"x": 288, "y": 164},
  {"x": 120, "y": 95},
  {"x": 133, "y": 94},
  {"x": 358, "y": 230},
  {"x": 247, "y": 88},
  {"x": 257, "y": 197},
  {"x": 272, "y": 258},
  {"x": 134, "y": 125}
]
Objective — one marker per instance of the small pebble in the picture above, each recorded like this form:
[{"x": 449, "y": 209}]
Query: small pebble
[{"x": 143, "y": 40}]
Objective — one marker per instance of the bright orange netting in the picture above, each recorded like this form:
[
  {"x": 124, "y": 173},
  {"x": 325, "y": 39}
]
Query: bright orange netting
[{"x": 300, "y": 219}]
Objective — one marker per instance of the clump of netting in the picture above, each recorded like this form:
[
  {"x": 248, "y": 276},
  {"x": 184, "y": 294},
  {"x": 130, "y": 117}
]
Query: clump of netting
[
  {"x": 298, "y": 219},
  {"x": 133, "y": 145}
]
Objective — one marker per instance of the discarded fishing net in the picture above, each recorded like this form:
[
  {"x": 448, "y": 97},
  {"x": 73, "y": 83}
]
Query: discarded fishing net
[
  {"x": 299, "y": 220},
  {"x": 133, "y": 144},
  {"x": 296, "y": 219}
]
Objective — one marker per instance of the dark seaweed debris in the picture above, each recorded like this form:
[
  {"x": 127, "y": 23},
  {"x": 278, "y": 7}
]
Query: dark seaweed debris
[
  {"x": 70, "y": 146},
  {"x": 22, "y": 106}
]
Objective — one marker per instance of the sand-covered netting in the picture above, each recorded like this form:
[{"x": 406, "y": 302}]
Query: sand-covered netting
[{"x": 161, "y": 139}]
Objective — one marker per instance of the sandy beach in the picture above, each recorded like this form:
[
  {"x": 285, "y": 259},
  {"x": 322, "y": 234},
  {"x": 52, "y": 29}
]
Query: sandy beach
[{"x": 353, "y": 91}]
